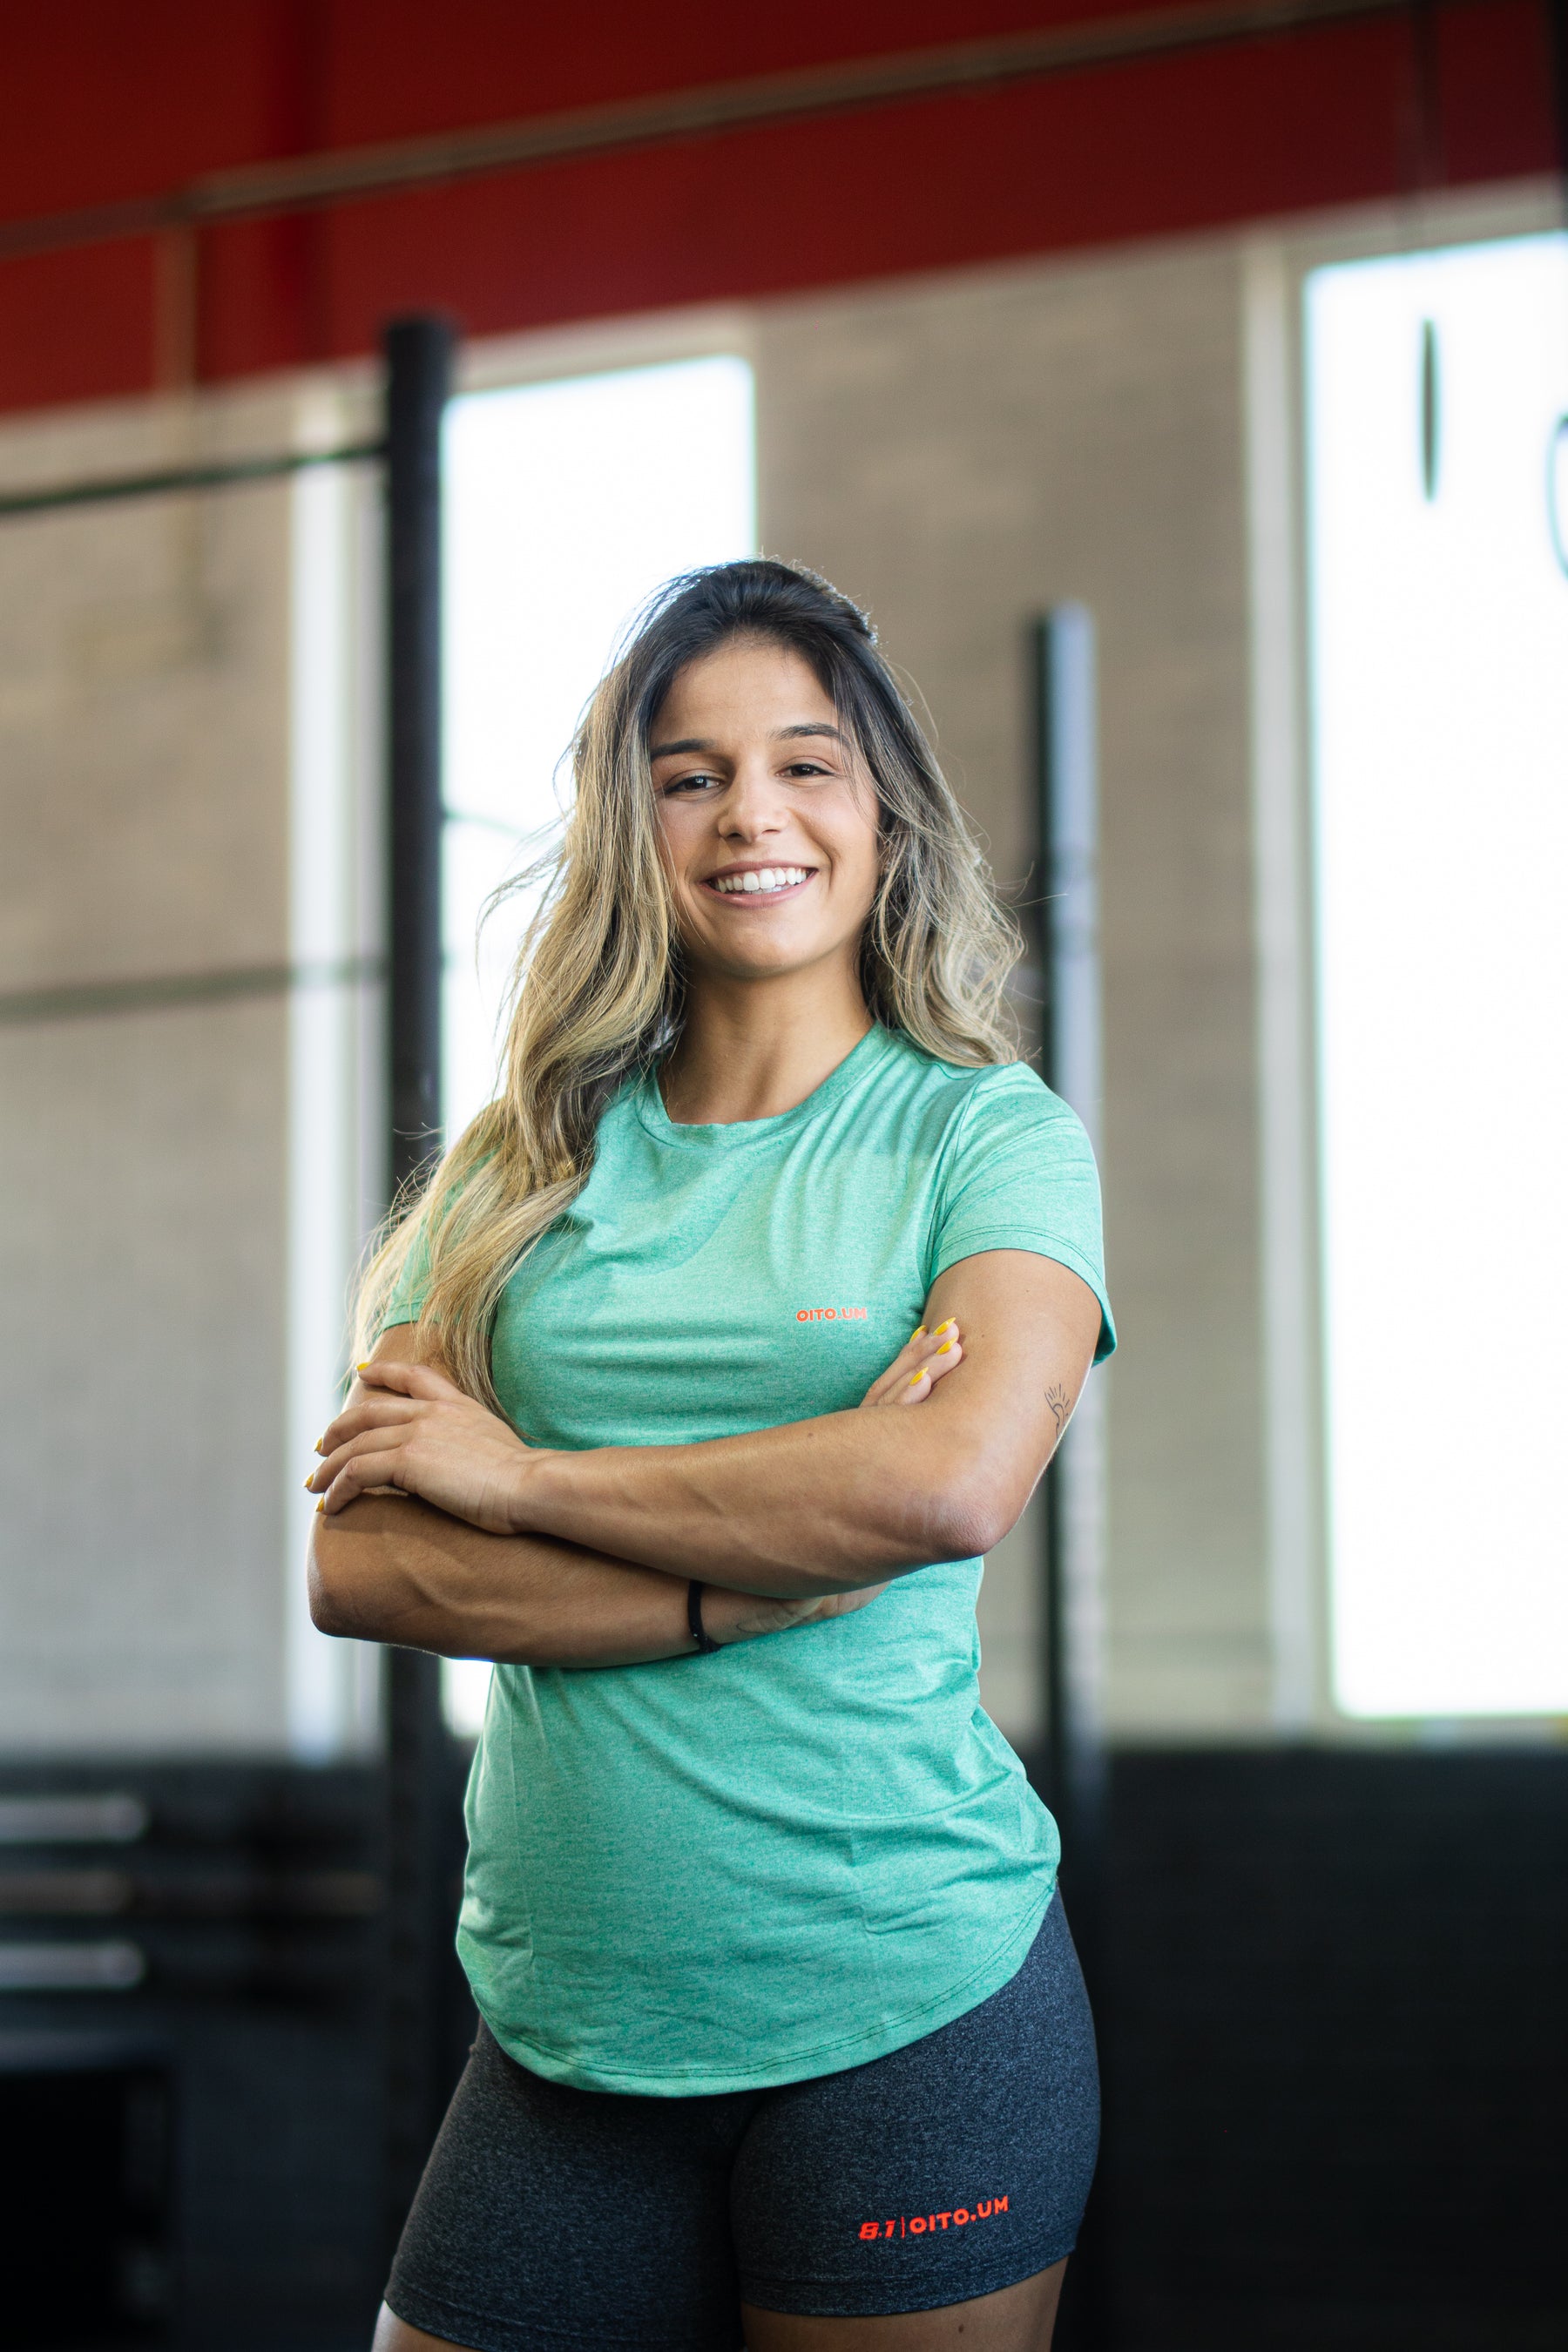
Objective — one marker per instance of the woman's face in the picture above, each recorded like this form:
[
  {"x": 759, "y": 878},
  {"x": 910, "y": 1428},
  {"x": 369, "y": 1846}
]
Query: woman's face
[{"x": 768, "y": 818}]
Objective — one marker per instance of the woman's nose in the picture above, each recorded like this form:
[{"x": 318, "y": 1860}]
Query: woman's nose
[{"x": 751, "y": 806}]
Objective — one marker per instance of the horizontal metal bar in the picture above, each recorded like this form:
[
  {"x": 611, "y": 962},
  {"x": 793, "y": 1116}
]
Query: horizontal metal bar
[
  {"x": 112, "y": 1967},
  {"x": 309, "y": 182},
  {"x": 116, "y": 1818},
  {"x": 54, "y": 1894},
  {"x": 57, "y": 1893},
  {"x": 90, "y": 999},
  {"x": 173, "y": 481},
  {"x": 37, "y": 2051}
]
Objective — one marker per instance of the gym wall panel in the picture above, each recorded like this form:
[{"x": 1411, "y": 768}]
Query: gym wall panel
[
  {"x": 141, "y": 1441},
  {"x": 144, "y": 712},
  {"x": 144, "y": 746}
]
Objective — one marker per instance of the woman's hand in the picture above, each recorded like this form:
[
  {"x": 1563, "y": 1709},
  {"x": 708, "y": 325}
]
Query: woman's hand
[
  {"x": 909, "y": 1379},
  {"x": 730, "y": 1616},
  {"x": 421, "y": 1434},
  {"x": 911, "y": 1376},
  {"x": 916, "y": 1369}
]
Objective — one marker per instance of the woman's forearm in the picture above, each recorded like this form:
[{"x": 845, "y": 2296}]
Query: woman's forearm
[
  {"x": 820, "y": 1506},
  {"x": 395, "y": 1570},
  {"x": 810, "y": 1510},
  {"x": 835, "y": 1503}
]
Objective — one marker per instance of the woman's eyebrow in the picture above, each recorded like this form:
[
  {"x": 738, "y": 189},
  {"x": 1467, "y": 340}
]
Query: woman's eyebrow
[{"x": 780, "y": 735}]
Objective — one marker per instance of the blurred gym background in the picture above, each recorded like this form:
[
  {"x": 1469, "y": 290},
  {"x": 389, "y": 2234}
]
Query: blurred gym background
[{"x": 1185, "y": 391}]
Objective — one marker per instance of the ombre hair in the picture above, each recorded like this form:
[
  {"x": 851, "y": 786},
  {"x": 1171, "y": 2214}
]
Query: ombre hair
[{"x": 598, "y": 991}]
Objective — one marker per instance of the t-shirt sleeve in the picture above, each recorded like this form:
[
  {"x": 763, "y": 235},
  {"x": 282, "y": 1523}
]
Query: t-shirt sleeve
[
  {"x": 406, "y": 1300},
  {"x": 1020, "y": 1175}
]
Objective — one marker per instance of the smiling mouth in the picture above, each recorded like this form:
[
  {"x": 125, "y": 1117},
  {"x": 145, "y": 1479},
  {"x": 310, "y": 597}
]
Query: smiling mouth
[{"x": 759, "y": 882}]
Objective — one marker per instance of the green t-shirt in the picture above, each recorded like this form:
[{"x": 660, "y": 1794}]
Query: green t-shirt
[{"x": 717, "y": 1873}]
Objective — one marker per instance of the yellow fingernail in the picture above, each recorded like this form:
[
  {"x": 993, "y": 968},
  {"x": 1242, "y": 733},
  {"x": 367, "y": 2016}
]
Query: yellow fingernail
[
  {"x": 917, "y": 1335},
  {"x": 915, "y": 1379},
  {"x": 364, "y": 1367},
  {"x": 322, "y": 1504},
  {"x": 945, "y": 1348},
  {"x": 944, "y": 1326},
  {"x": 307, "y": 1479}
]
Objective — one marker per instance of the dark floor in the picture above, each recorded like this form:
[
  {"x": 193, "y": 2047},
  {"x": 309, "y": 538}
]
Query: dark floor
[{"x": 1329, "y": 1989}]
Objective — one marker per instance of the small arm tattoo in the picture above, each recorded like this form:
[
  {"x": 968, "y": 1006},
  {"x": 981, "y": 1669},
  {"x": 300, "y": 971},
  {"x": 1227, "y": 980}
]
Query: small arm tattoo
[{"x": 1060, "y": 1404}]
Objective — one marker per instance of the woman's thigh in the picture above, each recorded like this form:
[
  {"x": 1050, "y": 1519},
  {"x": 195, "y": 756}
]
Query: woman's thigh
[
  {"x": 947, "y": 2178},
  {"x": 395, "y": 2335},
  {"x": 553, "y": 2216},
  {"x": 1015, "y": 2319},
  {"x": 1018, "y": 2319}
]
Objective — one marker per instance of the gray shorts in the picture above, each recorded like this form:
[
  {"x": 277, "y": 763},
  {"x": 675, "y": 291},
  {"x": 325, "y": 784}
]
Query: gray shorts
[{"x": 551, "y": 2219}]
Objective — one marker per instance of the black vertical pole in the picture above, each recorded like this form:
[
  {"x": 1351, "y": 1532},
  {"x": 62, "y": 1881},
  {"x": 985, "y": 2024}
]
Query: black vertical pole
[
  {"x": 1557, "y": 66},
  {"x": 1062, "y": 670},
  {"x": 1062, "y": 658},
  {"x": 418, "y": 374},
  {"x": 1045, "y": 714}
]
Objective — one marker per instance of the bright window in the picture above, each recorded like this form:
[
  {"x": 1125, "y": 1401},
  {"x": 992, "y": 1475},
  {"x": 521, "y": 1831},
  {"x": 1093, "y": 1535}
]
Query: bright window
[
  {"x": 567, "y": 504},
  {"x": 1438, "y": 516}
]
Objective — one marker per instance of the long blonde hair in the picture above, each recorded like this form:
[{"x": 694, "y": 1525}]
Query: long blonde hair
[{"x": 598, "y": 989}]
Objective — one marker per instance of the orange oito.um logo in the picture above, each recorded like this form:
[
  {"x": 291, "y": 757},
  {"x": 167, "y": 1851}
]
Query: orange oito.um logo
[
  {"x": 830, "y": 1315},
  {"x": 920, "y": 2225}
]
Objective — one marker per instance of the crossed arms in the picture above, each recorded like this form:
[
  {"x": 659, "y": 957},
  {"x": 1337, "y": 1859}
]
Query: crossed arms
[{"x": 492, "y": 1547}]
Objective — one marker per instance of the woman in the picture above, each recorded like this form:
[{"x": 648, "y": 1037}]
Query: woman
[{"x": 782, "y": 2037}]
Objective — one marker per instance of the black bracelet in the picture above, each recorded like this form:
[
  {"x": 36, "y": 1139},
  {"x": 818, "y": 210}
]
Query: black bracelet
[{"x": 694, "y": 1616}]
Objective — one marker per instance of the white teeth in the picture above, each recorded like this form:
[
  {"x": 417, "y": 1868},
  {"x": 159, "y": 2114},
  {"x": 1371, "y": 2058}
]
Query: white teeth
[{"x": 761, "y": 877}]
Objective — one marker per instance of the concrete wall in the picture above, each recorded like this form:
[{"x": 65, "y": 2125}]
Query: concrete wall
[
  {"x": 143, "y": 766},
  {"x": 148, "y": 750},
  {"x": 959, "y": 452}
]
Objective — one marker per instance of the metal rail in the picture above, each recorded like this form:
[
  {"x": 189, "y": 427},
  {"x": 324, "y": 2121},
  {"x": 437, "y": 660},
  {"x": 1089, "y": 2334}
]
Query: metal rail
[
  {"x": 172, "y": 481},
  {"x": 311, "y": 183}
]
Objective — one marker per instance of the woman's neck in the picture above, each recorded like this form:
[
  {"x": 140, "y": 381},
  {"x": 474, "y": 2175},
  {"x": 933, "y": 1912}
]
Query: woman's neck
[{"x": 754, "y": 1049}]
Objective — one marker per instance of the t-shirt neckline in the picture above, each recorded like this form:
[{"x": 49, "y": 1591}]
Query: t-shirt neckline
[{"x": 737, "y": 1135}]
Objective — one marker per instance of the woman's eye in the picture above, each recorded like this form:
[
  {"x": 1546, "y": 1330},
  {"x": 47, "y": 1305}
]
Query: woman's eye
[{"x": 691, "y": 785}]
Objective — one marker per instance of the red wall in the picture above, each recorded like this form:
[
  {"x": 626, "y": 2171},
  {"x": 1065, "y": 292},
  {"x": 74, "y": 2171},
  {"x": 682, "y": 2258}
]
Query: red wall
[{"x": 103, "y": 102}]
